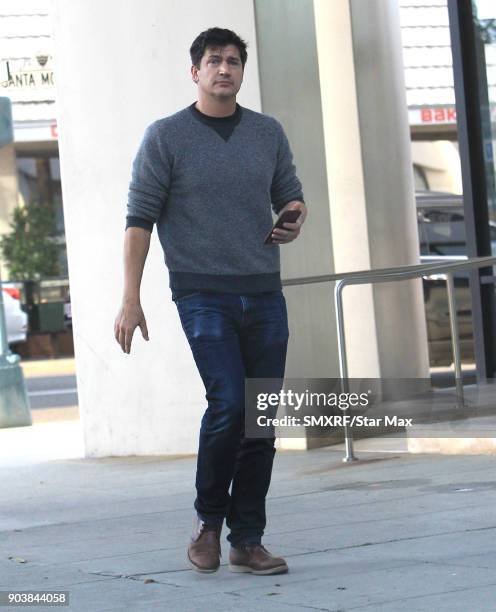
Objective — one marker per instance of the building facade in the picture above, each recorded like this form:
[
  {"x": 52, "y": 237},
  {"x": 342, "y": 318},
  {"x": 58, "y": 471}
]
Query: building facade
[
  {"x": 333, "y": 73},
  {"x": 31, "y": 162}
]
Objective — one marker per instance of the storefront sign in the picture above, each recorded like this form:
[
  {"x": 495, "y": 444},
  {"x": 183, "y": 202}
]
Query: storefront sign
[
  {"x": 432, "y": 115},
  {"x": 30, "y": 74}
]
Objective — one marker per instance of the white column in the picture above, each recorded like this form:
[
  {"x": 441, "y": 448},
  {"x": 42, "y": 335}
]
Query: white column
[
  {"x": 119, "y": 66},
  {"x": 371, "y": 194}
]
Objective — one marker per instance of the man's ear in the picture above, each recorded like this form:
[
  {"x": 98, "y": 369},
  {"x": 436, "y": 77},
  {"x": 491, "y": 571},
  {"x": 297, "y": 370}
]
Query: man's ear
[{"x": 194, "y": 73}]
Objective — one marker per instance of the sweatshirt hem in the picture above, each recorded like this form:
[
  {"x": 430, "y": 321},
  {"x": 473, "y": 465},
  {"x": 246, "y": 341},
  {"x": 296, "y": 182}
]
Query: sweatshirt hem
[{"x": 180, "y": 282}]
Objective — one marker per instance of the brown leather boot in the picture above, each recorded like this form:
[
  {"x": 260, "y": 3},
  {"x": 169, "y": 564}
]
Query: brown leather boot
[
  {"x": 255, "y": 559},
  {"x": 204, "y": 549}
]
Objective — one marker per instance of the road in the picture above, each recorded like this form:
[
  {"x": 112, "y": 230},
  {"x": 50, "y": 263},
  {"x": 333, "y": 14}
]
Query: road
[
  {"x": 51, "y": 387},
  {"x": 52, "y": 391}
]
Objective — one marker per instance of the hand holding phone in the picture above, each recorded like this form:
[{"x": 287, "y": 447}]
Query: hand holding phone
[{"x": 288, "y": 216}]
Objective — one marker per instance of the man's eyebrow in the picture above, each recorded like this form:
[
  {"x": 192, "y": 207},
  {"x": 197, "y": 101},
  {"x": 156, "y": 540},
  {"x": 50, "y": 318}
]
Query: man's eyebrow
[{"x": 217, "y": 56}]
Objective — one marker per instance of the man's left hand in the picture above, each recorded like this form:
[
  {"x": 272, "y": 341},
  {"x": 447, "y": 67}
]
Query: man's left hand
[{"x": 291, "y": 231}]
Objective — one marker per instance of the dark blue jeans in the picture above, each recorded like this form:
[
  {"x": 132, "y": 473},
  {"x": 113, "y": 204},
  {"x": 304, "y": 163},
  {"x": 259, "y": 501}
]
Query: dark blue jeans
[{"x": 234, "y": 337}]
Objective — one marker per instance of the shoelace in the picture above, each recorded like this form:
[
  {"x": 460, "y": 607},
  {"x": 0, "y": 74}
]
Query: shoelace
[
  {"x": 204, "y": 528},
  {"x": 256, "y": 546}
]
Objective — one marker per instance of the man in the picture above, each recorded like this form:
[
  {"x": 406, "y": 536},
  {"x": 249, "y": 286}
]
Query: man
[{"x": 208, "y": 176}]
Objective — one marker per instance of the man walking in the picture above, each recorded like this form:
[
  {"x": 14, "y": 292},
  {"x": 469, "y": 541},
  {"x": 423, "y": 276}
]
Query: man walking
[{"x": 208, "y": 176}]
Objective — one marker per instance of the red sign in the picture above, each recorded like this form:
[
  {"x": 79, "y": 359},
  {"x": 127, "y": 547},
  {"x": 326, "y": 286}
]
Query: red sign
[{"x": 438, "y": 115}]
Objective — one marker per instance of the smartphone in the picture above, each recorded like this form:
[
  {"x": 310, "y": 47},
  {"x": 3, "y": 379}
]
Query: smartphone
[{"x": 288, "y": 216}]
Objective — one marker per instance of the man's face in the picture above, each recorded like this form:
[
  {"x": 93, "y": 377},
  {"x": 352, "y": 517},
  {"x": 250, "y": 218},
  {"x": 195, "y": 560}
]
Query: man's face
[{"x": 220, "y": 73}]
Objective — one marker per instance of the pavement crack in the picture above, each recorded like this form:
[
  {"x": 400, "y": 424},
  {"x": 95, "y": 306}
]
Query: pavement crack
[
  {"x": 401, "y": 600},
  {"x": 307, "y": 607},
  {"x": 449, "y": 563},
  {"x": 391, "y": 541},
  {"x": 138, "y": 578}
]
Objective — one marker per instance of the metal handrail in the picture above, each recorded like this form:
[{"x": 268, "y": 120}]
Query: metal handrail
[
  {"x": 399, "y": 273},
  {"x": 440, "y": 258}
]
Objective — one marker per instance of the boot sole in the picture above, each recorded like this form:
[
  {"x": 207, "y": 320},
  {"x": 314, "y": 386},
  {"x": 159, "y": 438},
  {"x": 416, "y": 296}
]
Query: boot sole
[
  {"x": 246, "y": 569},
  {"x": 200, "y": 569}
]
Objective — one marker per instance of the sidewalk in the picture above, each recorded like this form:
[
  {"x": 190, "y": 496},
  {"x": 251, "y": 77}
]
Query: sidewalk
[
  {"x": 48, "y": 367},
  {"x": 390, "y": 532}
]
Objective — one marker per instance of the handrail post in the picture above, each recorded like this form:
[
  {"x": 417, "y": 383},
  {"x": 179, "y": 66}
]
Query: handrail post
[
  {"x": 343, "y": 366},
  {"x": 455, "y": 339}
]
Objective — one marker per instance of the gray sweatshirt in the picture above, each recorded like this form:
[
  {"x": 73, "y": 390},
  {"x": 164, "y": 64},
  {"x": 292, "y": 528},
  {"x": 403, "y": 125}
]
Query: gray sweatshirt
[{"x": 210, "y": 195}]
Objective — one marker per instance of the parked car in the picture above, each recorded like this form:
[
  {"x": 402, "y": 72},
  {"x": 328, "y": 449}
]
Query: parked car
[
  {"x": 68, "y": 312},
  {"x": 16, "y": 320},
  {"x": 441, "y": 228}
]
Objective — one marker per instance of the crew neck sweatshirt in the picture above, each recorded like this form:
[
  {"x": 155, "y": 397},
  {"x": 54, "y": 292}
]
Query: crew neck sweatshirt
[{"x": 209, "y": 184}]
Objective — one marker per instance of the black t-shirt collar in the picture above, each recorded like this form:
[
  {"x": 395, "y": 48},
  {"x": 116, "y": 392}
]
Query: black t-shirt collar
[{"x": 234, "y": 118}]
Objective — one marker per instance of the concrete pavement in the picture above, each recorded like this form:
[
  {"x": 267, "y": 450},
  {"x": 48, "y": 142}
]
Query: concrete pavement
[{"x": 391, "y": 532}]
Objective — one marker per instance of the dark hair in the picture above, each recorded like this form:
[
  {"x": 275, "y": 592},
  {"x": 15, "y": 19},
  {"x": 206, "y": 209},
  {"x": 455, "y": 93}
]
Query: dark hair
[{"x": 216, "y": 37}]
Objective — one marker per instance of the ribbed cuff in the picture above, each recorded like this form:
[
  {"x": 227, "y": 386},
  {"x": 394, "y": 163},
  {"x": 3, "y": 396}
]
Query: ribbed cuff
[{"x": 139, "y": 222}]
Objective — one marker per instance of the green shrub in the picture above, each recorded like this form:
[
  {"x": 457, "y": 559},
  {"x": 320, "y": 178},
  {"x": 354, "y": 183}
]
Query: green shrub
[{"x": 29, "y": 250}]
